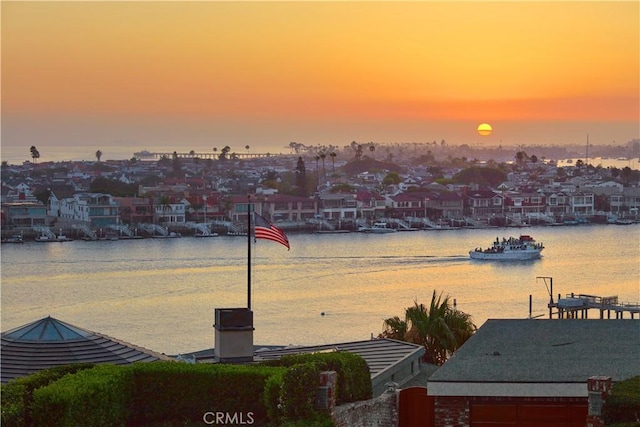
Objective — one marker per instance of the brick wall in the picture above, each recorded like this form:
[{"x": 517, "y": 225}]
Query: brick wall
[
  {"x": 451, "y": 411},
  {"x": 381, "y": 411},
  {"x": 599, "y": 388}
]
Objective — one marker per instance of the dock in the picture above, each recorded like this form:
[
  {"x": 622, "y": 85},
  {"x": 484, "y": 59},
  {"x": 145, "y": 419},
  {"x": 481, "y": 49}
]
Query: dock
[
  {"x": 573, "y": 306},
  {"x": 213, "y": 155}
]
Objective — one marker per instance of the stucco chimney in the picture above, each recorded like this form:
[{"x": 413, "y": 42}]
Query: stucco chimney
[{"x": 233, "y": 335}]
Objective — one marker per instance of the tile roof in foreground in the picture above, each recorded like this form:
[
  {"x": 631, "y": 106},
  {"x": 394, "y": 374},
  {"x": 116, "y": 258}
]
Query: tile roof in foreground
[
  {"x": 49, "y": 342},
  {"x": 380, "y": 354}
]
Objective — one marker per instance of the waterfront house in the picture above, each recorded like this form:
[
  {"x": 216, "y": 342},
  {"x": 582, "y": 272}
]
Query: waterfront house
[
  {"x": 523, "y": 204},
  {"x": 94, "y": 209},
  {"x": 135, "y": 210},
  {"x": 483, "y": 203},
  {"x": 339, "y": 206},
  {"x": 581, "y": 203},
  {"x": 169, "y": 213},
  {"x": 445, "y": 204},
  {"x": 23, "y": 214},
  {"x": 405, "y": 205},
  {"x": 626, "y": 202},
  {"x": 369, "y": 205},
  {"x": 281, "y": 207}
]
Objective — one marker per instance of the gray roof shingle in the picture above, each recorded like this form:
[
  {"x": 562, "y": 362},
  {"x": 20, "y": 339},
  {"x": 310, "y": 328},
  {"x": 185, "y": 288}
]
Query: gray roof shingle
[{"x": 546, "y": 351}]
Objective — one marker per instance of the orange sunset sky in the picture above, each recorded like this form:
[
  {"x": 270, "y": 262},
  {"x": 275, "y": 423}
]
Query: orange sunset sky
[{"x": 203, "y": 74}]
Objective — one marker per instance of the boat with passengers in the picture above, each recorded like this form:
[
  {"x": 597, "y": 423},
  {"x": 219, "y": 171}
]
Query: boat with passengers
[{"x": 511, "y": 249}]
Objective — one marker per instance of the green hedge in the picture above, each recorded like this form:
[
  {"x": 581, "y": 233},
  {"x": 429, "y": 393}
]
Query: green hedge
[
  {"x": 354, "y": 377},
  {"x": 178, "y": 392},
  {"x": 299, "y": 389},
  {"x": 623, "y": 403},
  {"x": 160, "y": 393},
  {"x": 173, "y": 393},
  {"x": 17, "y": 395},
  {"x": 93, "y": 397}
]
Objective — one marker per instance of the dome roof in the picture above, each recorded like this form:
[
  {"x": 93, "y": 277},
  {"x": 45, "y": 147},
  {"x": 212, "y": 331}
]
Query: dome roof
[{"x": 49, "y": 342}]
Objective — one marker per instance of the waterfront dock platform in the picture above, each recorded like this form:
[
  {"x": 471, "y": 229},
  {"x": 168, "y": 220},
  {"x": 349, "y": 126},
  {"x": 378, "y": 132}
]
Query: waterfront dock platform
[{"x": 578, "y": 305}]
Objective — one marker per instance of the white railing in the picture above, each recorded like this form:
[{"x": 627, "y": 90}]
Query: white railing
[
  {"x": 44, "y": 231},
  {"x": 154, "y": 229},
  {"x": 86, "y": 230},
  {"x": 122, "y": 229}
]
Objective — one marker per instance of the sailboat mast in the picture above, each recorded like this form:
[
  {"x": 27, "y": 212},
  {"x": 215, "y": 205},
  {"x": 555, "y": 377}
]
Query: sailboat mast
[{"x": 249, "y": 212}]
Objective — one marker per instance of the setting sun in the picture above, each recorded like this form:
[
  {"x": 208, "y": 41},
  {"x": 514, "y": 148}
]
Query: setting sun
[{"x": 484, "y": 129}]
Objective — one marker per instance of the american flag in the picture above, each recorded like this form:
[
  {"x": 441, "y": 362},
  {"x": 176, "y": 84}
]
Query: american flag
[{"x": 266, "y": 230}]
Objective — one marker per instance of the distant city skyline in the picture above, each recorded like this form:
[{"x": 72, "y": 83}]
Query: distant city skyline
[{"x": 263, "y": 74}]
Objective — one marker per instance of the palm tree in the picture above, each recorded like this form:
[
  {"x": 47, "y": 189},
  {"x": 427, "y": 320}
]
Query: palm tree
[
  {"x": 246, "y": 147},
  {"x": 98, "y": 155},
  {"x": 333, "y": 161},
  {"x": 225, "y": 151},
  {"x": 35, "y": 154},
  {"x": 323, "y": 156},
  {"x": 372, "y": 148},
  {"x": 440, "y": 328}
]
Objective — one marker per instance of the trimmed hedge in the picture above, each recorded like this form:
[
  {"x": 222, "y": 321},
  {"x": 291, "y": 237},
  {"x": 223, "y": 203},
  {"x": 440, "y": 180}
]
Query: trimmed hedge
[
  {"x": 623, "y": 403},
  {"x": 17, "y": 395},
  {"x": 354, "y": 377},
  {"x": 160, "y": 393},
  {"x": 93, "y": 397},
  {"x": 299, "y": 389},
  {"x": 173, "y": 393},
  {"x": 178, "y": 392}
]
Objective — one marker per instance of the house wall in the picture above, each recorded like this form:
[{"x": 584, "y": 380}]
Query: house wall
[{"x": 464, "y": 411}]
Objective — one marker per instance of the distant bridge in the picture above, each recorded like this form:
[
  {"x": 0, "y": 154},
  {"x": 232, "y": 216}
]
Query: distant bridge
[{"x": 147, "y": 155}]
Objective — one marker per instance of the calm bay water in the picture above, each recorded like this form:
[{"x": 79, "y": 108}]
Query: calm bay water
[{"x": 161, "y": 293}]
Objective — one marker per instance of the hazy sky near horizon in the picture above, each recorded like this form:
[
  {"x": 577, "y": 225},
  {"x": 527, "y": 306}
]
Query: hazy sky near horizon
[{"x": 208, "y": 74}]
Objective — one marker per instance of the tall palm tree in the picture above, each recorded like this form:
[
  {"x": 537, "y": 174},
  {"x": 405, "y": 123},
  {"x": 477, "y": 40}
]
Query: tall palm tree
[
  {"x": 98, "y": 155},
  {"x": 440, "y": 328},
  {"x": 323, "y": 156},
  {"x": 372, "y": 148},
  {"x": 35, "y": 154},
  {"x": 333, "y": 161}
]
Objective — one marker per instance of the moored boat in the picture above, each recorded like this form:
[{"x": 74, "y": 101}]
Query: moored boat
[
  {"x": 511, "y": 249},
  {"x": 378, "y": 227},
  {"x": 16, "y": 238}
]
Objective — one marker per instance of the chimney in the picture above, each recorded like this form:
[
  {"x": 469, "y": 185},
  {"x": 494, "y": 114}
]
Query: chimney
[
  {"x": 599, "y": 388},
  {"x": 233, "y": 335}
]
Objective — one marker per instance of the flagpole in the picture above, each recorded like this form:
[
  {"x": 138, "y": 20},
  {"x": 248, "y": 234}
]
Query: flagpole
[{"x": 249, "y": 212}]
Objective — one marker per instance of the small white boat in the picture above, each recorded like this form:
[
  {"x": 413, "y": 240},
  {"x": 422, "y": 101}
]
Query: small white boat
[
  {"x": 511, "y": 249},
  {"x": 16, "y": 238},
  {"x": 47, "y": 239},
  {"x": 623, "y": 221},
  {"x": 378, "y": 227}
]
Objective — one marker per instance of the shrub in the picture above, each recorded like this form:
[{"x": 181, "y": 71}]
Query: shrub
[
  {"x": 623, "y": 403},
  {"x": 17, "y": 395},
  {"x": 95, "y": 397},
  {"x": 272, "y": 397},
  {"x": 171, "y": 392},
  {"x": 299, "y": 388},
  {"x": 354, "y": 377}
]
